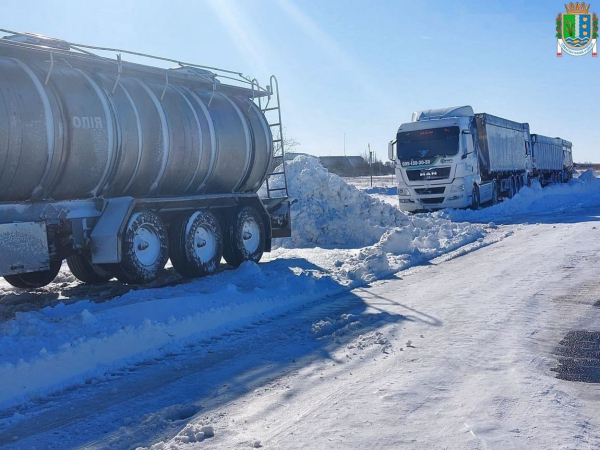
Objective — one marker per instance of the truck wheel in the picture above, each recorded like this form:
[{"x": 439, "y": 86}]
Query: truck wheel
[
  {"x": 244, "y": 237},
  {"x": 35, "y": 280},
  {"x": 145, "y": 249},
  {"x": 476, "y": 202},
  {"x": 82, "y": 269},
  {"x": 196, "y": 244},
  {"x": 512, "y": 189},
  {"x": 494, "y": 193}
]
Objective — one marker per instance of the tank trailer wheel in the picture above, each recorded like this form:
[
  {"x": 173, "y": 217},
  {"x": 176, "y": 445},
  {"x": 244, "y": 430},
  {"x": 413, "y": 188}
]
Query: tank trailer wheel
[
  {"x": 196, "y": 244},
  {"x": 35, "y": 280},
  {"x": 244, "y": 237},
  {"x": 145, "y": 249},
  {"x": 83, "y": 269},
  {"x": 476, "y": 202}
]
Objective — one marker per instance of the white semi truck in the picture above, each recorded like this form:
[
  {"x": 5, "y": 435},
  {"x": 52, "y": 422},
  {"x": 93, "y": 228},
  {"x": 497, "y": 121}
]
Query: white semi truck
[{"x": 454, "y": 158}]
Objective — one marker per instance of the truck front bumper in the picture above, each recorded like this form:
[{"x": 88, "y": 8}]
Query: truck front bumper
[
  {"x": 412, "y": 204},
  {"x": 420, "y": 198}
]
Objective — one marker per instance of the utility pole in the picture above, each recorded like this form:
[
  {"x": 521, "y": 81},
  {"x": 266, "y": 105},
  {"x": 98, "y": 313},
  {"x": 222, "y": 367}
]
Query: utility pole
[
  {"x": 371, "y": 164},
  {"x": 344, "y": 144}
]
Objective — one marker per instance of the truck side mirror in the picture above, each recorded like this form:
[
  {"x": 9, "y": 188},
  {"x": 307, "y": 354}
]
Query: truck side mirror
[
  {"x": 391, "y": 150},
  {"x": 465, "y": 144}
]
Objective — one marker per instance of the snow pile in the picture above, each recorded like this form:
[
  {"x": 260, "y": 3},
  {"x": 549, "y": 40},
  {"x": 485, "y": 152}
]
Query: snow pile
[
  {"x": 350, "y": 324},
  {"x": 578, "y": 193},
  {"x": 192, "y": 432},
  {"x": 400, "y": 248},
  {"x": 331, "y": 212}
]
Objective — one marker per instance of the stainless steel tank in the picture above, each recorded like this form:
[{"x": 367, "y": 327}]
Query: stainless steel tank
[{"x": 72, "y": 132}]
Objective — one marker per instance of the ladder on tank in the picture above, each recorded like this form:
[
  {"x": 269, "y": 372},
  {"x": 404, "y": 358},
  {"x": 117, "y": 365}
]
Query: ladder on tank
[{"x": 276, "y": 182}]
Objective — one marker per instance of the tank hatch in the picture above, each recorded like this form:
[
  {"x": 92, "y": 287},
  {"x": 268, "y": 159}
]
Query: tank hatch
[{"x": 38, "y": 39}]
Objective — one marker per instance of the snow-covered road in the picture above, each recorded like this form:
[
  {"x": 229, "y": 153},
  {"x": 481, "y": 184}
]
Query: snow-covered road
[
  {"x": 454, "y": 354},
  {"x": 463, "y": 359},
  {"x": 465, "y": 365}
]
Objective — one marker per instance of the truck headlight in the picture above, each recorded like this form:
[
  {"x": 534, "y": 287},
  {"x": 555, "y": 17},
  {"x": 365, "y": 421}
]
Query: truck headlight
[
  {"x": 403, "y": 191},
  {"x": 457, "y": 187}
]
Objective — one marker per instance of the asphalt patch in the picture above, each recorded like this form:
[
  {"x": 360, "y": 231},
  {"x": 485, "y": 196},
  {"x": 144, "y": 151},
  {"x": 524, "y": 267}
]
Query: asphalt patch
[{"x": 578, "y": 355}]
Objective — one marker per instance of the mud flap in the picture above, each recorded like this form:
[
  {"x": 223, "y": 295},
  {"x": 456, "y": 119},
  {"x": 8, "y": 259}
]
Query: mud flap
[{"x": 23, "y": 248}]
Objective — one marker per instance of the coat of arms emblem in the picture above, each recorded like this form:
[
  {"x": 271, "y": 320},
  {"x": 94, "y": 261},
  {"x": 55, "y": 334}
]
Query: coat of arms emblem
[{"x": 577, "y": 30}]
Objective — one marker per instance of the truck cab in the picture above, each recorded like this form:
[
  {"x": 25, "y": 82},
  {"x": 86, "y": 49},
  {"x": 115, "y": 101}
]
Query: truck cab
[{"x": 435, "y": 160}]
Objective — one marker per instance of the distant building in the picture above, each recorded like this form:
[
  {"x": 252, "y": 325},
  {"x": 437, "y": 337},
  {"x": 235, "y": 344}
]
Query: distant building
[
  {"x": 356, "y": 161},
  {"x": 347, "y": 166}
]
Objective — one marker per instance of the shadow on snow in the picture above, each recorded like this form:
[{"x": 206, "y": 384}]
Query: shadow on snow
[{"x": 154, "y": 400}]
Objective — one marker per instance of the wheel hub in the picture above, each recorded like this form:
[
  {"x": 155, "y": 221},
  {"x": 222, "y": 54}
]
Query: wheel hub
[
  {"x": 146, "y": 245},
  {"x": 205, "y": 244},
  {"x": 250, "y": 235}
]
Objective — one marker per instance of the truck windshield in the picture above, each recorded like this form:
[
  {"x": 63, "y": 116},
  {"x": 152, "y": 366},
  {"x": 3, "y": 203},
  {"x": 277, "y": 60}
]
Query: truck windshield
[{"x": 426, "y": 144}]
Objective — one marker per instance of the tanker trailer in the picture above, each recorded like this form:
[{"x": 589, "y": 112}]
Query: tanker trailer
[{"x": 118, "y": 166}]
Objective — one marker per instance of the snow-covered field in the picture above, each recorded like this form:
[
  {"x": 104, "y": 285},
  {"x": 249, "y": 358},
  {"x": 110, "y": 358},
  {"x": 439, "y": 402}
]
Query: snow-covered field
[
  {"x": 384, "y": 187},
  {"x": 369, "y": 328}
]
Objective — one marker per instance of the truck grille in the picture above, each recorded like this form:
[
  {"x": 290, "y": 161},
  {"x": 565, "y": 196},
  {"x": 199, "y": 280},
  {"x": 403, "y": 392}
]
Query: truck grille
[
  {"x": 431, "y": 201},
  {"x": 430, "y": 191},
  {"x": 438, "y": 173}
]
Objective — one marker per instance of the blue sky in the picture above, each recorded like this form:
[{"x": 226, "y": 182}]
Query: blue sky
[{"x": 355, "y": 66}]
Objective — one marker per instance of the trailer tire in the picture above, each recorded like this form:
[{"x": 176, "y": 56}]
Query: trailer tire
[
  {"x": 244, "y": 237},
  {"x": 145, "y": 249},
  {"x": 83, "y": 269},
  {"x": 476, "y": 199},
  {"x": 34, "y": 280},
  {"x": 196, "y": 244}
]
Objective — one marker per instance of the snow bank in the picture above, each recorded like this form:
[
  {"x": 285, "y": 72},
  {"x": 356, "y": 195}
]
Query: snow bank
[
  {"x": 331, "y": 212},
  {"x": 71, "y": 344},
  {"x": 57, "y": 347},
  {"x": 579, "y": 192}
]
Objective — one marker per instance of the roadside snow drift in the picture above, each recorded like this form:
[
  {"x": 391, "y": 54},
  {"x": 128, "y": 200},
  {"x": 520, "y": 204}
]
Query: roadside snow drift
[
  {"x": 579, "y": 192},
  {"x": 365, "y": 239}
]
